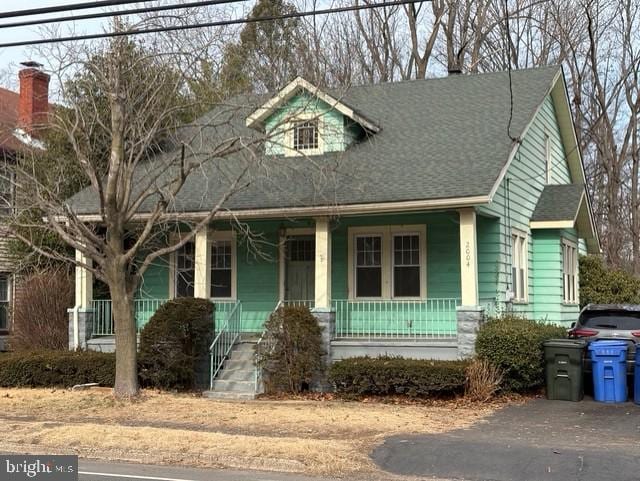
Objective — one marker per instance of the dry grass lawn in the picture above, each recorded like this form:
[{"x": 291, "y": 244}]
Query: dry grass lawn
[{"x": 315, "y": 437}]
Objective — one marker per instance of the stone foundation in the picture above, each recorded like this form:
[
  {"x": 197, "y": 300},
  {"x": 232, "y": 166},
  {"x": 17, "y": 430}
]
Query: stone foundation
[
  {"x": 327, "y": 321},
  {"x": 470, "y": 319},
  {"x": 84, "y": 325}
]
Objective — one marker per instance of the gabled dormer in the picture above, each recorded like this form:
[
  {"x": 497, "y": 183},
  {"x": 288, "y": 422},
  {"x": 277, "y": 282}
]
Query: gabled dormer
[{"x": 304, "y": 120}]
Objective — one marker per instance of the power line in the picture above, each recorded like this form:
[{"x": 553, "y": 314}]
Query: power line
[
  {"x": 114, "y": 13},
  {"x": 221, "y": 23},
  {"x": 67, "y": 8},
  {"x": 506, "y": 20}
]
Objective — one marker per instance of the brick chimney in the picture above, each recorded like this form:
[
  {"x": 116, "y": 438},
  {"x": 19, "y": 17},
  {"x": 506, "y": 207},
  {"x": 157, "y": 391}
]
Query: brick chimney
[{"x": 33, "y": 105}]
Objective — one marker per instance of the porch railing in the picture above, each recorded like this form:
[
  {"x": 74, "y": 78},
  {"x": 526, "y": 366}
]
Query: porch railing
[
  {"x": 227, "y": 333},
  {"x": 309, "y": 304},
  {"x": 396, "y": 319},
  {"x": 103, "y": 314},
  {"x": 143, "y": 310}
]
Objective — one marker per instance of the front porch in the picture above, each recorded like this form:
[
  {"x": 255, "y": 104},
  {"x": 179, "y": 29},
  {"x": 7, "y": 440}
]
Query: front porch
[{"x": 382, "y": 281}]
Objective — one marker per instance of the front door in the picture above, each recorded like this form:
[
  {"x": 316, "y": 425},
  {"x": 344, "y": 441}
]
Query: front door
[{"x": 300, "y": 258}]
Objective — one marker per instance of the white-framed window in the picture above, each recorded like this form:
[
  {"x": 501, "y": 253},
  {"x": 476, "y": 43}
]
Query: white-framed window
[
  {"x": 185, "y": 261},
  {"x": 368, "y": 254},
  {"x": 519, "y": 264},
  {"x": 406, "y": 264},
  {"x": 387, "y": 262},
  {"x": 5, "y": 297},
  {"x": 547, "y": 158},
  {"x": 569, "y": 272},
  {"x": 305, "y": 135},
  {"x": 223, "y": 266}
]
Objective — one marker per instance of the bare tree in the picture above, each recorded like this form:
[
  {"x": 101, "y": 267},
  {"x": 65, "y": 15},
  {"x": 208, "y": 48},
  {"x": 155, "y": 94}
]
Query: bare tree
[{"x": 131, "y": 102}]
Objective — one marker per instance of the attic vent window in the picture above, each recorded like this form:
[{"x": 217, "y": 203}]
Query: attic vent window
[{"x": 305, "y": 135}]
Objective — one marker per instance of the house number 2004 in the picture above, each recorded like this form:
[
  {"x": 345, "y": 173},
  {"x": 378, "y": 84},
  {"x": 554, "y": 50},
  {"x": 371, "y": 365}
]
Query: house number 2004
[{"x": 467, "y": 251}]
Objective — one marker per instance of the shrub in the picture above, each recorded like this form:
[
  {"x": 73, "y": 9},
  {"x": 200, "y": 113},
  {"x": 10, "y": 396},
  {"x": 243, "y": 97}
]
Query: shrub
[
  {"x": 40, "y": 319},
  {"x": 174, "y": 345},
  {"x": 483, "y": 380},
  {"x": 601, "y": 285},
  {"x": 291, "y": 356},
  {"x": 56, "y": 368},
  {"x": 396, "y": 375},
  {"x": 514, "y": 345}
]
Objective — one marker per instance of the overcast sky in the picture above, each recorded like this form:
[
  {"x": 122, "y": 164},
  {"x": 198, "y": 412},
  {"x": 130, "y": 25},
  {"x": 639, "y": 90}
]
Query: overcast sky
[{"x": 10, "y": 58}]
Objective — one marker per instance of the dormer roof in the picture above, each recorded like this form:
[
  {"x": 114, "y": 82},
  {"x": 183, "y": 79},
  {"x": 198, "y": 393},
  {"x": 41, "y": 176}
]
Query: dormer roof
[{"x": 258, "y": 116}]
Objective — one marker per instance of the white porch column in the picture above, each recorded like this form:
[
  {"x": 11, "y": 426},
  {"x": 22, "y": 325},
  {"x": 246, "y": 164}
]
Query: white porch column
[
  {"x": 202, "y": 268},
  {"x": 81, "y": 315},
  {"x": 323, "y": 265},
  {"x": 84, "y": 282},
  {"x": 468, "y": 257}
]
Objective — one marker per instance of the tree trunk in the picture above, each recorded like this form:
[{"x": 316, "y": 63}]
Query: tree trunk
[{"x": 126, "y": 384}]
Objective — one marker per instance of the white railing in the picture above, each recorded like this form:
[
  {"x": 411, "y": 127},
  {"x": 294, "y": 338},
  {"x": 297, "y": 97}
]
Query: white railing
[
  {"x": 227, "y": 333},
  {"x": 298, "y": 303},
  {"x": 103, "y": 314},
  {"x": 396, "y": 319}
]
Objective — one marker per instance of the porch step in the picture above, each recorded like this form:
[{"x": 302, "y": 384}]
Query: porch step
[
  {"x": 230, "y": 396},
  {"x": 236, "y": 380}
]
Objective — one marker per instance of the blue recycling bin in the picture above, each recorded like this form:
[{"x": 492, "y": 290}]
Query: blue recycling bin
[
  {"x": 636, "y": 377},
  {"x": 609, "y": 365}
]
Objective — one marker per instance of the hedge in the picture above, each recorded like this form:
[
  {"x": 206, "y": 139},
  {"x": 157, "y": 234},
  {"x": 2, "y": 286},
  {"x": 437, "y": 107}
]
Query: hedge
[
  {"x": 56, "y": 368},
  {"x": 514, "y": 345},
  {"x": 396, "y": 375},
  {"x": 602, "y": 285},
  {"x": 174, "y": 345}
]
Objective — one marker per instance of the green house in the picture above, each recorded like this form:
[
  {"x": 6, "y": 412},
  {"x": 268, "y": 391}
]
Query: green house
[{"x": 402, "y": 214}]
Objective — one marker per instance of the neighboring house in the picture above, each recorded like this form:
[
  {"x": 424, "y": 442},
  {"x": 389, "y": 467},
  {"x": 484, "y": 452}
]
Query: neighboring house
[
  {"x": 21, "y": 115},
  {"x": 435, "y": 211}
]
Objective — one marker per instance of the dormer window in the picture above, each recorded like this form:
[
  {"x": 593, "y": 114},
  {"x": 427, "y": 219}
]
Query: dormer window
[{"x": 305, "y": 135}]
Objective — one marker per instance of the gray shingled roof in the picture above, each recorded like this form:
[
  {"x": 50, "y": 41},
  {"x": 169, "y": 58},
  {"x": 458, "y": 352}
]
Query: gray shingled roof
[
  {"x": 558, "y": 202},
  {"x": 440, "y": 138}
]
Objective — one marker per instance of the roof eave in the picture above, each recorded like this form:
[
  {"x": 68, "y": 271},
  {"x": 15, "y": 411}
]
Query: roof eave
[{"x": 256, "y": 119}]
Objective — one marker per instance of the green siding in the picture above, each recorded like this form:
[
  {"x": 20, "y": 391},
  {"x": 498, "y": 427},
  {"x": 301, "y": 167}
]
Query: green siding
[
  {"x": 155, "y": 282},
  {"x": 335, "y": 136},
  {"x": 443, "y": 251},
  {"x": 512, "y": 206}
]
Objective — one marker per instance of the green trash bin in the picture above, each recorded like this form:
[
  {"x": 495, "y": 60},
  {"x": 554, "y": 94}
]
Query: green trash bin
[{"x": 563, "y": 369}]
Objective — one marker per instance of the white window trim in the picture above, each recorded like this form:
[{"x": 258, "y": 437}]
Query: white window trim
[
  {"x": 524, "y": 250},
  {"x": 290, "y": 232},
  {"x": 213, "y": 236},
  {"x": 386, "y": 232},
  {"x": 9, "y": 300},
  {"x": 289, "y": 126},
  {"x": 547, "y": 158},
  {"x": 566, "y": 243},
  {"x": 173, "y": 263},
  {"x": 225, "y": 235}
]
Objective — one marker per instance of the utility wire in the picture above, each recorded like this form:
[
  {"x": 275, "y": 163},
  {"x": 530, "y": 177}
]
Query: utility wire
[
  {"x": 114, "y": 13},
  {"x": 221, "y": 23},
  {"x": 506, "y": 20},
  {"x": 67, "y": 8}
]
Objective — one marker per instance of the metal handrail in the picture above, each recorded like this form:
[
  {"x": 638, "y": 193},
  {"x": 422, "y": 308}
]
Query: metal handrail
[
  {"x": 261, "y": 340},
  {"x": 224, "y": 341}
]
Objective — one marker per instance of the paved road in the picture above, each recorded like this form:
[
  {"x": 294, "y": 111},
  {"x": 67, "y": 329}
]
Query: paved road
[
  {"x": 539, "y": 441},
  {"x": 101, "y": 471}
]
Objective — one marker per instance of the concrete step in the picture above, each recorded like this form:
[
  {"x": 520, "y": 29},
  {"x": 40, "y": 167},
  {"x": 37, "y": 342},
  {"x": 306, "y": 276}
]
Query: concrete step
[
  {"x": 229, "y": 396},
  {"x": 237, "y": 374},
  {"x": 234, "y": 386},
  {"x": 239, "y": 364},
  {"x": 242, "y": 356}
]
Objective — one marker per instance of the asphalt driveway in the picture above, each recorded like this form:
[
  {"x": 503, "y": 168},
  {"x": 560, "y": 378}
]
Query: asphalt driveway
[{"x": 540, "y": 440}]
